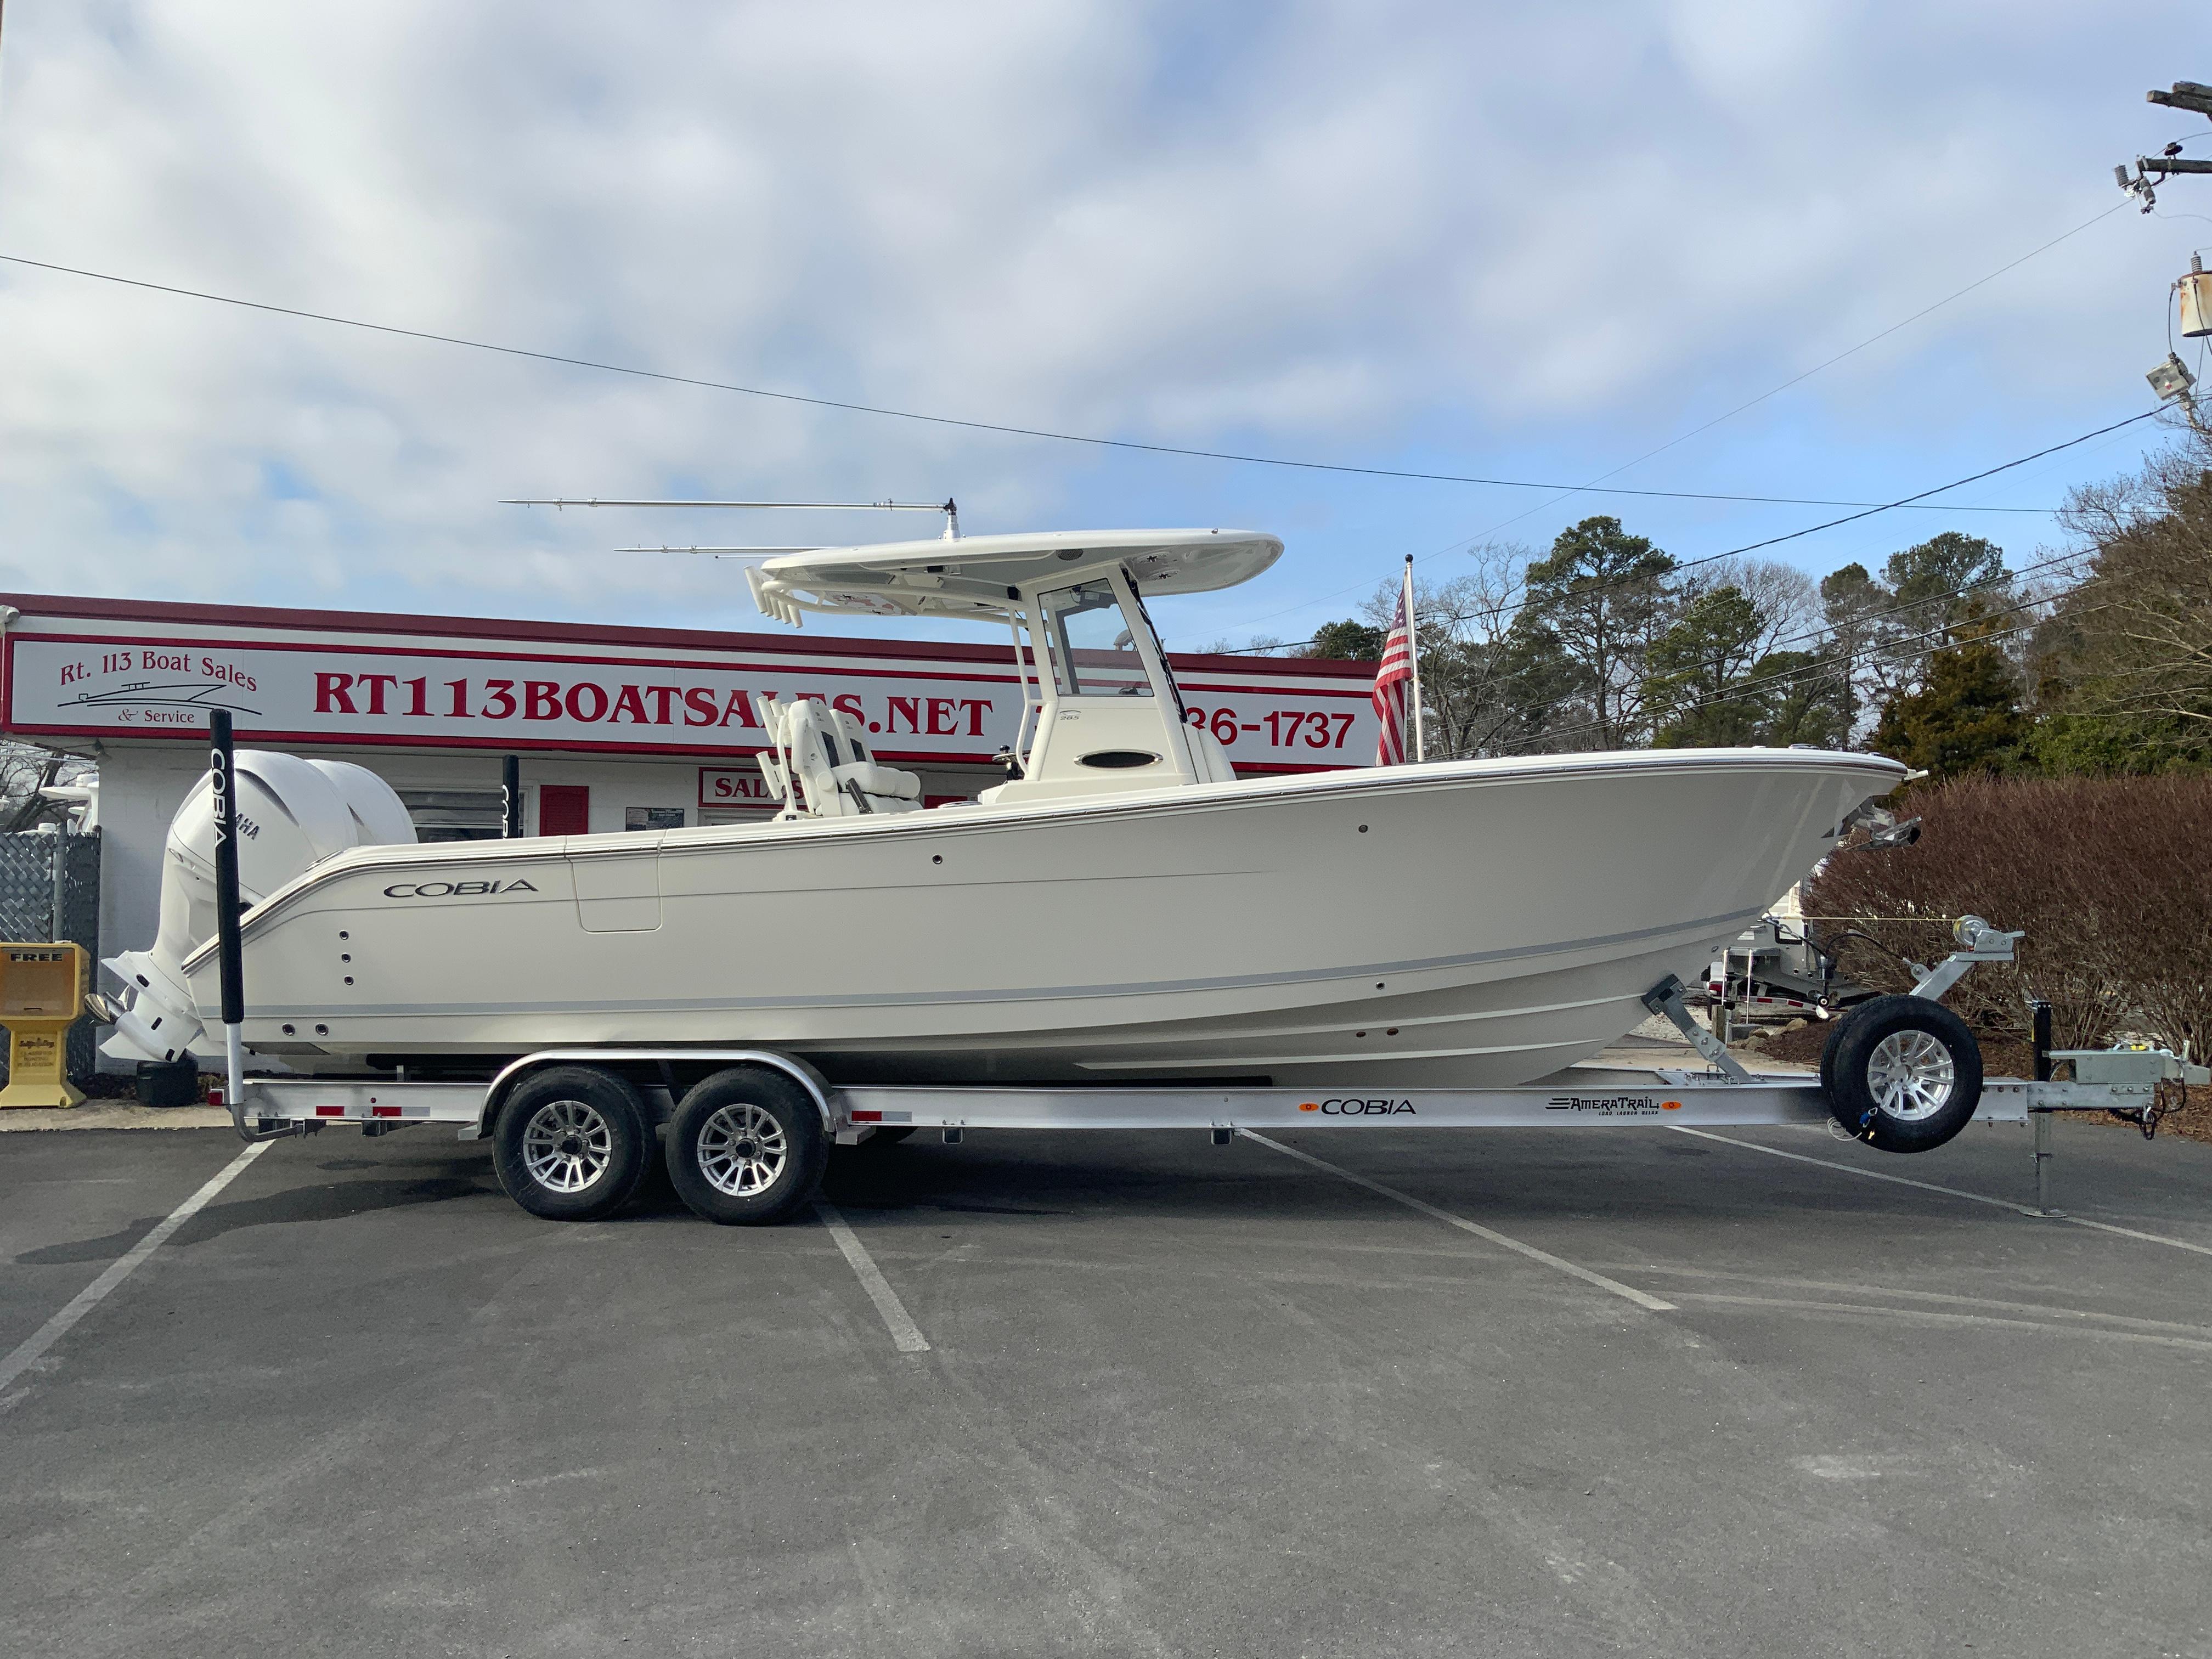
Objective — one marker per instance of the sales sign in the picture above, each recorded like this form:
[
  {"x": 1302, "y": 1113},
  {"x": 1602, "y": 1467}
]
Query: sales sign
[{"x": 109, "y": 685}]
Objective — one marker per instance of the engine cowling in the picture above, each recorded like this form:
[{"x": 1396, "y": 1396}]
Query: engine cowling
[{"x": 292, "y": 815}]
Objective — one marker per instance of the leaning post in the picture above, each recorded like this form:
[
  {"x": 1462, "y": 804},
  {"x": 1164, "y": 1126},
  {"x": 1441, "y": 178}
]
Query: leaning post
[{"x": 2038, "y": 1013}]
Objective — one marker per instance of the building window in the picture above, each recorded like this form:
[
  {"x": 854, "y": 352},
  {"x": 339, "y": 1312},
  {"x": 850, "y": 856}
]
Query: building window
[{"x": 453, "y": 814}]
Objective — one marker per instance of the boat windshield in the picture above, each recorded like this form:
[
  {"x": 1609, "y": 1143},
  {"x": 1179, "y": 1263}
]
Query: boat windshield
[
  {"x": 1094, "y": 653},
  {"x": 1159, "y": 652}
]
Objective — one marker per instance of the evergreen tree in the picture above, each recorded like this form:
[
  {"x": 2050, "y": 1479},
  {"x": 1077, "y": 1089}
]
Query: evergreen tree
[
  {"x": 1692, "y": 668},
  {"x": 1965, "y": 718},
  {"x": 1349, "y": 641},
  {"x": 1592, "y": 608}
]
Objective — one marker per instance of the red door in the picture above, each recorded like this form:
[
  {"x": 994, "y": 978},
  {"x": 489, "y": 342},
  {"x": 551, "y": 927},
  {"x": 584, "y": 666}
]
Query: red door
[{"x": 564, "y": 809}]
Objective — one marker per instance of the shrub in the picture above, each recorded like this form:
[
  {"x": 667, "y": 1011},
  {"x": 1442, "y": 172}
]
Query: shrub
[{"x": 2110, "y": 877}]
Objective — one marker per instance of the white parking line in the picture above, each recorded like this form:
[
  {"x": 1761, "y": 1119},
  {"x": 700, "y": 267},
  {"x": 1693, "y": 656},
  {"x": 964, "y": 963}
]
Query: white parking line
[
  {"x": 905, "y": 1335},
  {"x": 1629, "y": 1291},
  {"x": 1948, "y": 1192},
  {"x": 27, "y": 1352}
]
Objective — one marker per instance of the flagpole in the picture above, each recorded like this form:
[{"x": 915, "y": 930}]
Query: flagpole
[{"x": 1413, "y": 650}]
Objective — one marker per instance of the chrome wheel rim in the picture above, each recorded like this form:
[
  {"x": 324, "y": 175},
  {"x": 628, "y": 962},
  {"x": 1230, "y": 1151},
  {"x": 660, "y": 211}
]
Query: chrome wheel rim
[
  {"x": 743, "y": 1150},
  {"x": 1911, "y": 1076},
  {"x": 567, "y": 1145}
]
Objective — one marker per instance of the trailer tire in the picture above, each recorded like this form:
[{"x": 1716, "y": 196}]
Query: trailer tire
[
  {"x": 1902, "y": 1073},
  {"x": 573, "y": 1143},
  {"x": 746, "y": 1147}
]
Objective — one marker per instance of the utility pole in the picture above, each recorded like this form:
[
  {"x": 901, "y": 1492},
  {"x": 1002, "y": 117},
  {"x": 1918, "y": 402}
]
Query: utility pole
[
  {"x": 2153, "y": 170},
  {"x": 2172, "y": 379}
]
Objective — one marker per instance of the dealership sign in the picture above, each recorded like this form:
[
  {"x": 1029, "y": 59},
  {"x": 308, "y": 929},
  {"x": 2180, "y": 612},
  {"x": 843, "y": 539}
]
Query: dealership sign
[{"x": 346, "y": 689}]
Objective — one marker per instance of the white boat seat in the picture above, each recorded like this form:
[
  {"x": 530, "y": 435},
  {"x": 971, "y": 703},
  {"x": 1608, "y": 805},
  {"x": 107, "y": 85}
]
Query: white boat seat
[{"x": 824, "y": 750}]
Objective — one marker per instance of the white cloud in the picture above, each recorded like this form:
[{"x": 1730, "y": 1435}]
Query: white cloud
[{"x": 1530, "y": 240}]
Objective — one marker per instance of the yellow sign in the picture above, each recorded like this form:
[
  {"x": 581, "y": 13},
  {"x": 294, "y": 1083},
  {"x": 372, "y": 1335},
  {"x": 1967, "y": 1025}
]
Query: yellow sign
[{"x": 41, "y": 994}]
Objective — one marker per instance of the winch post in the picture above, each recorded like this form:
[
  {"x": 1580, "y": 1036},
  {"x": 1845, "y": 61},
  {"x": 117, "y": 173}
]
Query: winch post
[
  {"x": 1666, "y": 998},
  {"x": 230, "y": 963},
  {"x": 1978, "y": 942},
  {"x": 510, "y": 797}
]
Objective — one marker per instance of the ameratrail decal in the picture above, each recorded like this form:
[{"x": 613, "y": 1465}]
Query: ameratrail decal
[{"x": 1611, "y": 1105}]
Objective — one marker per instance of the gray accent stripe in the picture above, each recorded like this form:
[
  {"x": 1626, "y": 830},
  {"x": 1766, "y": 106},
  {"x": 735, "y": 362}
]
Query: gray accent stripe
[{"x": 1733, "y": 923}]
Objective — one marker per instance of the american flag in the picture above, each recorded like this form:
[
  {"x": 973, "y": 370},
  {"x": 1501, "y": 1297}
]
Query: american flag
[{"x": 1395, "y": 686}]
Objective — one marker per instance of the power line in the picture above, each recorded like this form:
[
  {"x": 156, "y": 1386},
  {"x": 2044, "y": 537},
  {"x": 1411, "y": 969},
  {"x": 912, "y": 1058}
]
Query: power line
[
  {"x": 1872, "y": 339},
  {"x": 1002, "y": 428},
  {"x": 1820, "y": 665},
  {"x": 1875, "y": 653},
  {"x": 1591, "y": 487},
  {"x": 1871, "y": 655},
  {"x": 1772, "y": 541}
]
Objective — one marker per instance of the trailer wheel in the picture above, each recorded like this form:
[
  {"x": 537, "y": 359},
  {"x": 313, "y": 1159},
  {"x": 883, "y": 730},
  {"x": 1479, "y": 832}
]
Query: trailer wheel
[
  {"x": 746, "y": 1147},
  {"x": 572, "y": 1144},
  {"x": 1902, "y": 1073}
]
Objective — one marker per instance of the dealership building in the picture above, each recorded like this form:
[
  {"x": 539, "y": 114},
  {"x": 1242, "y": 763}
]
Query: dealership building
[{"x": 615, "y": 728}]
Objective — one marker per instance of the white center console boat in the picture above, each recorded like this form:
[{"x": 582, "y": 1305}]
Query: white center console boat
[{"x": 1122, "y": 909}]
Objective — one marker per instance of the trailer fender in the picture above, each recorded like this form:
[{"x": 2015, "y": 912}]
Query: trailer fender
[{"x": 503, "y": 1086}]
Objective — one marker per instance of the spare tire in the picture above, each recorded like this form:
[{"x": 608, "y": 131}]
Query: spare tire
[{"x": 1902, "y": 1073}]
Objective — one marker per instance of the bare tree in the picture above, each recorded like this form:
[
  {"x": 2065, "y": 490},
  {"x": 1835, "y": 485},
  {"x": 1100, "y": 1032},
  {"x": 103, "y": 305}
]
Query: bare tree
[
  {"x": 1467, "y": 690},
  {"x": 25, "y": 769}
]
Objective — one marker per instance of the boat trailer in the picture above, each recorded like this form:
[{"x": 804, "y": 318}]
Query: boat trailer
[
  {"x": 576, "y": 1131},
  {"x": 589, "y": 1091}
]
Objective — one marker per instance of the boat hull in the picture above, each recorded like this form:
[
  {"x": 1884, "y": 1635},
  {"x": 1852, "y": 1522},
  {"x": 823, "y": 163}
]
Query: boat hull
[{"x": 1473, "y": 924}]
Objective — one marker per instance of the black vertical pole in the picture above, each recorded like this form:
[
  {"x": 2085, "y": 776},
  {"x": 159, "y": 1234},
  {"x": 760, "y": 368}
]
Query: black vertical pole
[
  {"x": 2039, "y": 1025},
  {"x": 510, "y": 797},
  {"x": 229, "y": 958}
]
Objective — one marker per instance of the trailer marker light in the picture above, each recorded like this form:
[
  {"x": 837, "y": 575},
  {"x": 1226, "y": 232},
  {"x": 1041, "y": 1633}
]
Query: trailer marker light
[{"x": 1670, "y": 1105}]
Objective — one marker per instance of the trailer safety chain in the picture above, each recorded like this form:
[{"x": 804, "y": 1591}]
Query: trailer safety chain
[{"x": 2167, "y": 1095}]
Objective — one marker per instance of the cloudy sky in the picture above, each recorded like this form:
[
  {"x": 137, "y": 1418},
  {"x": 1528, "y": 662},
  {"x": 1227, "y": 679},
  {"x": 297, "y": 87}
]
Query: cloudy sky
[{"x": 1523, "y": 242}]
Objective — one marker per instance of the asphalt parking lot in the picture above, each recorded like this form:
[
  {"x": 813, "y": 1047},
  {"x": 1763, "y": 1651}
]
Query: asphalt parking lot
[{"x": 1175, "y": 1399}]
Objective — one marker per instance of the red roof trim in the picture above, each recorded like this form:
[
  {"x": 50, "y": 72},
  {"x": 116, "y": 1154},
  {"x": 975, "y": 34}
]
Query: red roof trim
[{"x": 584, "y": 634}]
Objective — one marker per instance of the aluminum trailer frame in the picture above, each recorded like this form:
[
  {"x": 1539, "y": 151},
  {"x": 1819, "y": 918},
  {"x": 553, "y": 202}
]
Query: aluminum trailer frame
[
  {"x": 1580, "y": 1095},
  {"x": 1725, "y": 1095}
]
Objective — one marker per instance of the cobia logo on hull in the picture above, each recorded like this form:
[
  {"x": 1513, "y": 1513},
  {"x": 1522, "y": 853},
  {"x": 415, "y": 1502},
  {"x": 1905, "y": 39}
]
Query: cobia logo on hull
[
  {"x": 1382, "y": 1106},
  {"x": 433, "y": 890}
]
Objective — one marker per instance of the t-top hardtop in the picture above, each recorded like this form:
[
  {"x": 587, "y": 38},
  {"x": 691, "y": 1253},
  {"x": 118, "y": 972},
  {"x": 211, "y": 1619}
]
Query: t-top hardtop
[{"x": 984, "y": 576}]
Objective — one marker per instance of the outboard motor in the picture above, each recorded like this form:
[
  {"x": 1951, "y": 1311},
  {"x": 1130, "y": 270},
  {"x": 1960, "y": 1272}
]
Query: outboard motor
[{"x": 292, "y": 815}]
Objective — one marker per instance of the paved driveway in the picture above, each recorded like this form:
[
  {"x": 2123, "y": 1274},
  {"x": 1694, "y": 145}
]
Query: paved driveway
[{"x": 1674, "y": 1395}]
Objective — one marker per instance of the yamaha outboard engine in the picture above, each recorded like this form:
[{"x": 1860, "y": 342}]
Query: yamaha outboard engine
[{"x": 292, "y": 815}]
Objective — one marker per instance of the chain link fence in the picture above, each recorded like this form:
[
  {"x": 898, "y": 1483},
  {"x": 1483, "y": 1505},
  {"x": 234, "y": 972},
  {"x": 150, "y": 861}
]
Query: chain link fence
[{"x": 50, "y": 889}]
